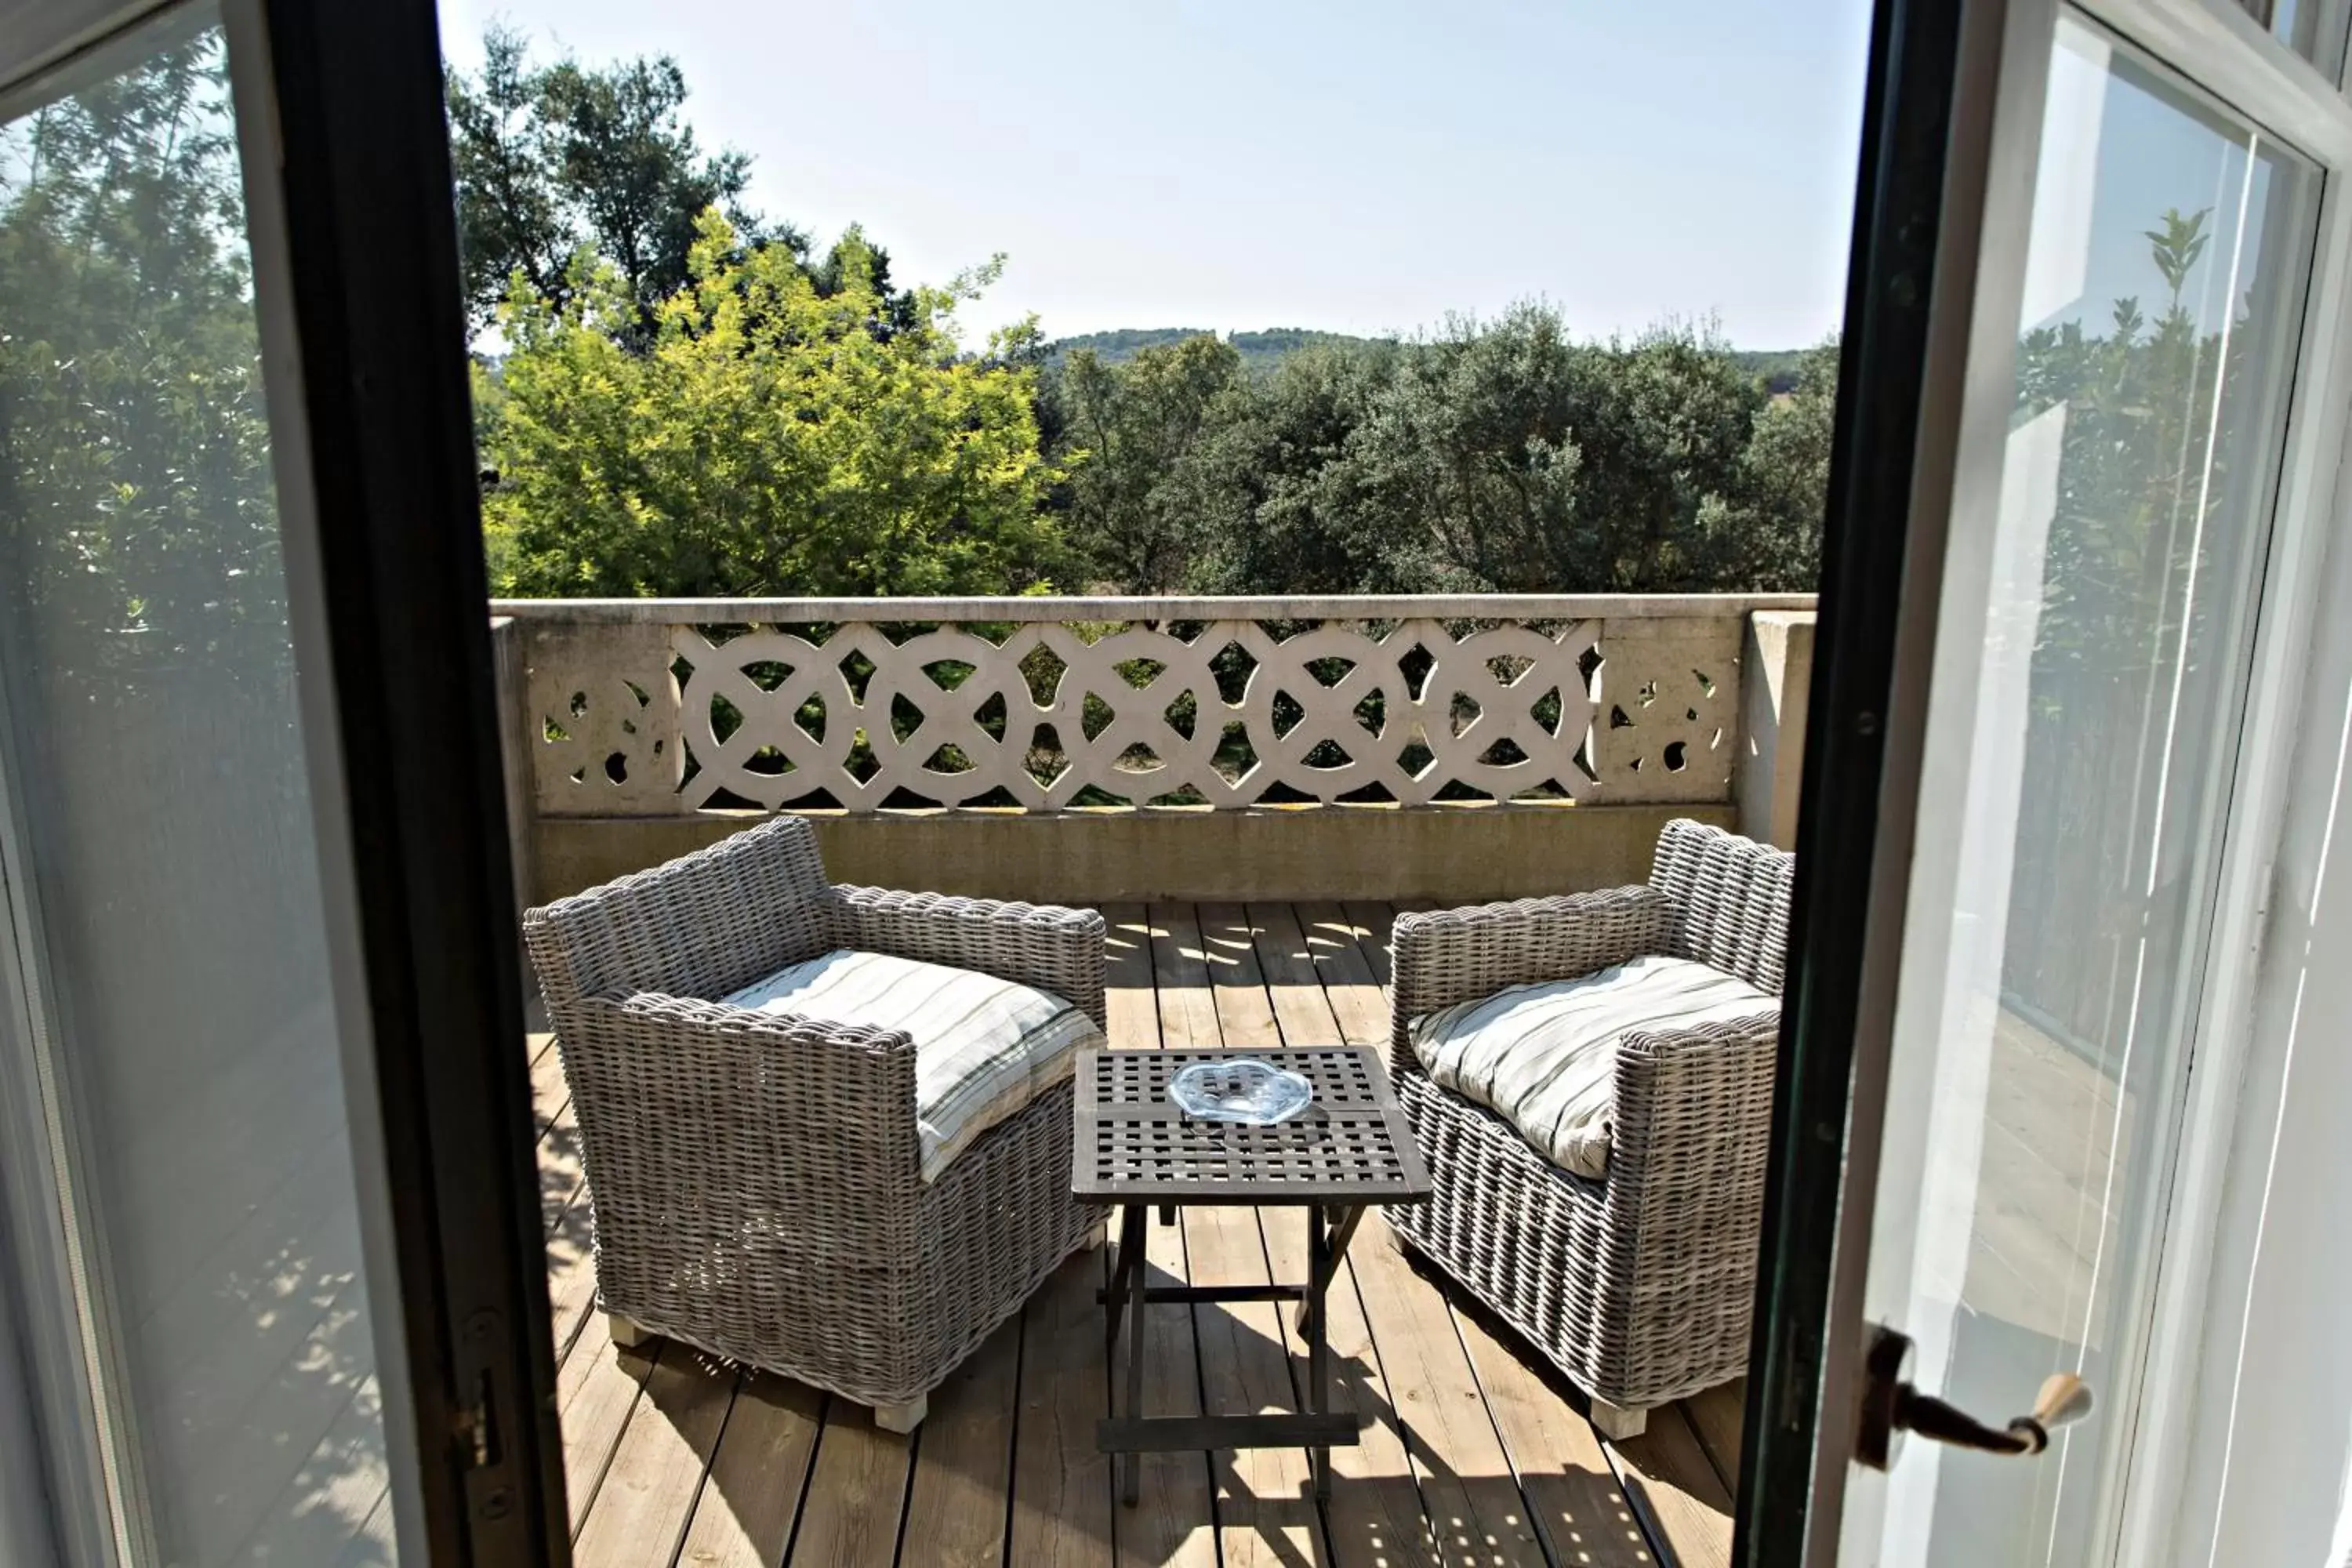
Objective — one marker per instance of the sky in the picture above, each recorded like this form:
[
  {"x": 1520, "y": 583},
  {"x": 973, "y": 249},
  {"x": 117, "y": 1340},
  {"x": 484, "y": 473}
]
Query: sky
[{"x": 1362, "y": 167}]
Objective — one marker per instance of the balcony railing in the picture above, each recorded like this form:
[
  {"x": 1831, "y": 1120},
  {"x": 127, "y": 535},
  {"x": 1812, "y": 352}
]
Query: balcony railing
[{"x": 639, "y": 708}]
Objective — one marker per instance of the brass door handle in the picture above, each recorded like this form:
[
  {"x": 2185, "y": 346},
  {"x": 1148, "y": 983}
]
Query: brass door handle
[{"x": 1891, "y": 1407}]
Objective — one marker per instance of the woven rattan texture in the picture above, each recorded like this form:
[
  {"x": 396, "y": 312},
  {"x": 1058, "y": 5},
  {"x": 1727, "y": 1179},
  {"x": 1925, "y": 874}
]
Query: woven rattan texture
[
  {"x": 1352, "y": 1144},
  {"x": 754, "y": 1177},
  {"x": 1639, "y": 1287}
]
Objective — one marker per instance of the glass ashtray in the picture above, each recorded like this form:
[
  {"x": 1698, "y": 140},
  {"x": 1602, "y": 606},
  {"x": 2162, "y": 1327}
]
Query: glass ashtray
[{"x": 1246, "y": 1090}]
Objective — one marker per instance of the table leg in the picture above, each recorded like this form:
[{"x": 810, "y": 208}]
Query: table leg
[
  {"x": 1318, "y": 1350},
  {"x": 1342, "y": 1232},
  {"x": 1128, "y": 1261},
  {"x": 1132, "y": 1481}
]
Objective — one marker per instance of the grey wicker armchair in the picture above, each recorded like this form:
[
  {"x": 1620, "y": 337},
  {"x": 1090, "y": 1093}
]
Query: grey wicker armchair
[
  {"x": 755, "y": 1177},
  {"x": 1639, "y": 1284}
]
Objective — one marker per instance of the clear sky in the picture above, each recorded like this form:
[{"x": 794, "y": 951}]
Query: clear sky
[{"x": 1363, "y": 166}]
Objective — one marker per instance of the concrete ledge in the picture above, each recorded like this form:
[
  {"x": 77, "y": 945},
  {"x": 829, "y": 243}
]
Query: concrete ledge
[{"x": 1451, "y": 854}]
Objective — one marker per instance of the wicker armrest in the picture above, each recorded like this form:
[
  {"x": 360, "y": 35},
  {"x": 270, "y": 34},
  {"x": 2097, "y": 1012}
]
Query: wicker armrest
[
  {"x": 1691, "y": 1133},
  {"x": 1053, "y": 948},
  {"x": 1443, "y": 956},
  {"x": 650, "y": 1066}
]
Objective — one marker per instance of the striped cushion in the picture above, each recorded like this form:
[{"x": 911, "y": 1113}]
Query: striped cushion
[
  {"x": 984, "y": 1047},
  {"x": 1544, "y": 1057}
]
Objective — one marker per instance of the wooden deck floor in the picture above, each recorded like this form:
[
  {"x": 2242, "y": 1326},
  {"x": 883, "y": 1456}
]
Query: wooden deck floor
[{"x": 1473, "y": 1455}]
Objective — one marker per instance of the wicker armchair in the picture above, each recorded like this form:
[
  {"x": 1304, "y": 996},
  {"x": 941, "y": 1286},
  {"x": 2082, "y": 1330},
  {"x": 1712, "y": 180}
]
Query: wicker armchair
[
  {"x": 1638, "y": 1286},
  {"x": 755, "y": 1175}
]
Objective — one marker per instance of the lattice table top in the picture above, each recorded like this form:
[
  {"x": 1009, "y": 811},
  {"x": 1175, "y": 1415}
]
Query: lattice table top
[{"x": 1352, "y": 1145}]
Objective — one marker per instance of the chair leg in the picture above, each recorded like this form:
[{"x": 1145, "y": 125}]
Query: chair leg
[
  {"x": 627, "y": 1334},
  {"x": 1616, "y": 1422},
  {"x": 902, "y": 1419}
]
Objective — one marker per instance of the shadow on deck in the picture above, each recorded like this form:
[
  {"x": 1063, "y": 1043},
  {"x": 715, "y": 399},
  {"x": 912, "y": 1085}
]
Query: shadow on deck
[{"x": 1475, "y": 1454}]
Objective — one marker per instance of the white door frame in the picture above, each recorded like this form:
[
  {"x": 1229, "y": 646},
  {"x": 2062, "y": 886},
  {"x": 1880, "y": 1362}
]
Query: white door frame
[
  {"x": 2220, "y": 48},
  {"x": 2217, "y": 48}
]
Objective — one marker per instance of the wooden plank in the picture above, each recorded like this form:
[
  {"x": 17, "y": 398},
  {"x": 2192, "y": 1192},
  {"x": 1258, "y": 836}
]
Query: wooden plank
[
  {"x": 855, "y": 1494},
  {"x": 571, "y": 1273},
  {"x": 561, "y": 1175},
  {"x": 1334, "y": 941},
  {"x": 1128, "y": 997},
  {"x": 751, "y": 1499},
  {"x": 596, "y": 1390},
  {"x": 1466, "y": 1485},
  {"x": 1228, "y": 950},
  {"x": 1676, "y": 1490},
  {"x": 1188, "y": 1008},
  {"x": 1265, "y": 1509},
  {"x": 651, "y": 1486},
  {"x": 1174, "y": 1521},
  {"x": 1572, "y": 1491},
  {"x": 955, "y": 1512},
  {"x": 1301, "y": 1010},
  {"x": 548, "y": 1089},
  {"x": 1719, "y": 1417},
  {"x": 1061, "y": 1485},
  {"x": 1372, "y": 921},
  {"x": 1374, "y": 1516}
]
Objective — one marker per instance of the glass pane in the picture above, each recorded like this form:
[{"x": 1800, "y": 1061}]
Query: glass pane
[
  {"x": 161, "y": 825},
  {"x": 2312, "y": 28},
  {"x": 2047, "y": 1010}
]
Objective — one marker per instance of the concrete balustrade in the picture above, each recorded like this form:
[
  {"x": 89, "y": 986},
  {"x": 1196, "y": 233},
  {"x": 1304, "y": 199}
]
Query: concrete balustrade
[{"x": 1090, "y": 749}]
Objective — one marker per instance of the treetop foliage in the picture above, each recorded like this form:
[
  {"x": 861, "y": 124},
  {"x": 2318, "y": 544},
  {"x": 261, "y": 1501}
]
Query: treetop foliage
[
  {"x": 691, "y": 403},
  {"x": 551, "y": 160},
  {"x": 770, "y": 438}
]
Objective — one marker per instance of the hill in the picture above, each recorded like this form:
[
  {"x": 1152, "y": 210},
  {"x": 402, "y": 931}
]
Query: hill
[
  {"x": 1265, "y": 350},
  {"x": 1259, "y": 351}
]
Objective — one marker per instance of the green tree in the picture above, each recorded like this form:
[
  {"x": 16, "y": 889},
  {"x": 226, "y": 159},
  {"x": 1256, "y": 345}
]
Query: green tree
[
  {"x": 135, "y": 491},
  {"x": 771, "y": 439},
  {"x": 1128, "y": 430},
  {"x": 552, "y": 159},
  {"x": 1764, "y": 532}
]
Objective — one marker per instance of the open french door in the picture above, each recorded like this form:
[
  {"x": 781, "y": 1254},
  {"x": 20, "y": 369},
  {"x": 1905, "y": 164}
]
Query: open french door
[
  {"x": 270, "y": 1284},
  {"x": 2094, "y": 389}
]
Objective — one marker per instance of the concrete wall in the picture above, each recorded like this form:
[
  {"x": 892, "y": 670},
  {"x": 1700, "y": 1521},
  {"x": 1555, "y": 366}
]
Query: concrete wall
[
  {"x": 1775, "y": 687},
  {"x": 509, "y": 676},
  {"x": 1704, "y": 718},
  {"x": 1451, "y": 854}
]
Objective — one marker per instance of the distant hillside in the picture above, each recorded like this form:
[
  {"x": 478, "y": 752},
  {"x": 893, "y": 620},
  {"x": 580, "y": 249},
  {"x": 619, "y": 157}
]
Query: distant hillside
[
  {"x": 1259, "y": 351},
  {"x": 1265, "y": 350}
]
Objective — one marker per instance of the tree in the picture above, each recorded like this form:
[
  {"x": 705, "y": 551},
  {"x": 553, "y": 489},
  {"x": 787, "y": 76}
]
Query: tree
[
  {"x": 1497, "y": 455},
  {"x": 552, "y": 159},
  {"x": 1127, "y": 431},
  {"x": 770, "y": 439},
  {"x": 136, "y": 500},
  {"x": 1764, "y": 534}
]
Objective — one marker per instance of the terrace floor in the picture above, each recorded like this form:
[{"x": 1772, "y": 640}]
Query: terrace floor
[{"x": 1474, "y": 1455}]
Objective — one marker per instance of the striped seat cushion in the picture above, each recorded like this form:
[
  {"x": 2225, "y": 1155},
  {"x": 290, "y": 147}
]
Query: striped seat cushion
[
  {"x": 984, "y": 1047},
  {"x": 1544, "y": 1057}
]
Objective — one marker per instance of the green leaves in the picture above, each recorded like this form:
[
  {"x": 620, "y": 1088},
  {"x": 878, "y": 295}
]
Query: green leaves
[
  {"x": 770, "y": 438},
  {"x": 1493, "y": 456},
  {"x": 2176, "y": 246},
  {"x": 552, "y": 159}
]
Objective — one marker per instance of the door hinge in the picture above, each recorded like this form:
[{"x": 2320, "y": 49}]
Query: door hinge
[{"x": 476, "y": 1427}]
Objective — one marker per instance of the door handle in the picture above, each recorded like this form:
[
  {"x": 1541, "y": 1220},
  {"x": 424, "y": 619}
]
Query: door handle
[{"x": 1891, "y": 1407}]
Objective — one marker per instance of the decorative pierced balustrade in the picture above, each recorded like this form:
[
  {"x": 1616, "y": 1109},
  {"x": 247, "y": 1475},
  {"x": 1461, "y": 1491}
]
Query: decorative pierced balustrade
[{"x": 644, "y": 708}]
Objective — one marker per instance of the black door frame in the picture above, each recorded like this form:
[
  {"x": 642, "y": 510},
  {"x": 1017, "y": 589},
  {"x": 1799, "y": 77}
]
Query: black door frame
[
  {"x": 352, "y": 224},
  {"x": 369, "y": 228},
  {"x": 1931, "y": 161}
]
